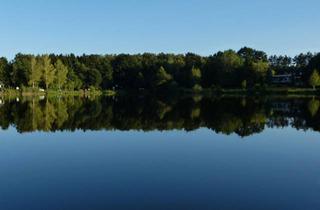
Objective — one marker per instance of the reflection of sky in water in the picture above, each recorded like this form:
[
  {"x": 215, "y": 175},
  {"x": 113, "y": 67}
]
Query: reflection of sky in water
[{"x": 277, "y": 169}]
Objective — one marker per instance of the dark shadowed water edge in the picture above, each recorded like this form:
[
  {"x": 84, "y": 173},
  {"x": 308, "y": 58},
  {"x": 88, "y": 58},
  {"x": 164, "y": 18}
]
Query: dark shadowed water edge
[{"x": 160, "y": 153}]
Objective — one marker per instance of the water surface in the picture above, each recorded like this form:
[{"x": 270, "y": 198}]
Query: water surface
[{"x": 147, "y": 153}]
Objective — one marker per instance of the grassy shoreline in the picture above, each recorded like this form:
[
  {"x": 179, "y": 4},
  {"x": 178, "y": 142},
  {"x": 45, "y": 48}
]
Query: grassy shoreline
[
  {"x": 80, "y": 93},
  {"x": 280, "y": 91}
]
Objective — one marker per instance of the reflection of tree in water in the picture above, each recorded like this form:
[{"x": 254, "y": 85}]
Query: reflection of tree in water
[
  {"x": 49, "y": 115},
  {"x": 242, "y": 116},
  {"x": 313, "y": 107},
  {"x": 61, "y": 113}
]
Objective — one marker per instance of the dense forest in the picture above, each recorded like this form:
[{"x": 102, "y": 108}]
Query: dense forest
[
  {"x": 243, "y": 116},
  {"x": 247, "y": 68}
]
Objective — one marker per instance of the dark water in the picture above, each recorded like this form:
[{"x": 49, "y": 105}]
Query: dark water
[{"x": 147, "y": 153}]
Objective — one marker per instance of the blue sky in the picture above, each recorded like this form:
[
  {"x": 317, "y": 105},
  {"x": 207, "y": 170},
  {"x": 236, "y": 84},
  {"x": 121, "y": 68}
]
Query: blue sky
[{"x": 175, "y": 26}]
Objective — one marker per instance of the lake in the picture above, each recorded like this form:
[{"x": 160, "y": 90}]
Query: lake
[{"x": 160, "y": 153}]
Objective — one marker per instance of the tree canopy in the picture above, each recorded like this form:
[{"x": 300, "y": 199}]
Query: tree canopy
[{"x": 227, "y": 69}]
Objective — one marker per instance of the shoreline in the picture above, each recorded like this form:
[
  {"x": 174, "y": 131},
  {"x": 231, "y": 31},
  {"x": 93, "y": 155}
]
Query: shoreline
[{"x": 274, "y": 91}]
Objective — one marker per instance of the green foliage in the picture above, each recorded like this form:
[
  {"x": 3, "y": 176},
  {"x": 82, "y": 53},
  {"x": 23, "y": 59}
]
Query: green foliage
[
  {"x": 61, "y": 74},
  {"x": 227, "y": 69},
  {"x": 94, "y": 78},
  {"x": 252, "y": 56},
  {"x": 4, "y": 72},
  {"x": 34, "y": 72},
  {"x": 73, "y": 81},
  {"x": 20, "y": 68},
  {"x": 195, "y": 76},
  {"x": 230, "y": 60},
  {"x": 162, "y": 77},
  {"x": 223, "y": 69},
  {"x": 259, "y": 71},
  {"x": 260, "y": 67},
  {"x": 48, "y": 70}
]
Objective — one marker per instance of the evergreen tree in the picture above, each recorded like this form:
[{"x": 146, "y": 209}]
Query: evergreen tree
[{"x": 4, "y": 72}]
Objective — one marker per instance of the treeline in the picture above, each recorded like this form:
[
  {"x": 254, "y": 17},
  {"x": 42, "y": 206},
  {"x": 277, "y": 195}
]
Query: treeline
[
  {"x": 242, "y": 116},
  {"x": 246, "y": 68}
]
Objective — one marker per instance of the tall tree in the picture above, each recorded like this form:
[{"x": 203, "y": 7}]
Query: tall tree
[
  {"x": 303, "y": 60},
  {"x": 226, "y": 66},
  {"x": 61, "y": 73},
  {"x": 256, "y": 65},
  {"x": 20, "y": 68},
  {"x": 34, "y": 72},
  {"x": 4, "y": 72},
  {"x": 48, "y": 70}
]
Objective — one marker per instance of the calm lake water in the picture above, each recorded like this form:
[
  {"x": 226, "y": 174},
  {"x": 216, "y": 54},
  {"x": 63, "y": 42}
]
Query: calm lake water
[{"x": 147, "y": 153}]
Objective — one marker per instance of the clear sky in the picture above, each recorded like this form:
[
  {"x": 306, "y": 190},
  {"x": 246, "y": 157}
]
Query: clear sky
[{"x": 175, "y": 26}]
